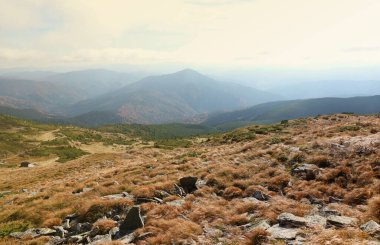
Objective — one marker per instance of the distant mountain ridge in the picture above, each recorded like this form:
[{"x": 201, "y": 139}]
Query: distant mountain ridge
[
  {"x": 282, "y": 110},
  {"x": 172, "y": 97}
]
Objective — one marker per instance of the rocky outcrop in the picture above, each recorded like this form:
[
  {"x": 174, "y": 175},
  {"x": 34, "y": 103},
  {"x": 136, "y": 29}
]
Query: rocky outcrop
[
  {"x": 282, "y": 233},
  {"x": 291, "y": 221},
  {"x": 132, "y": 221},
  {"x": 33, "y": 233}
]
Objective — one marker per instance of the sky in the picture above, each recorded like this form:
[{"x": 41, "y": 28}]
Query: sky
[{"x": 216, "y": 34}]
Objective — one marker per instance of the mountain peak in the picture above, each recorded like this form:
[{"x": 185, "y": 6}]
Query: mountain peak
[{"x": 188, "y": 71}]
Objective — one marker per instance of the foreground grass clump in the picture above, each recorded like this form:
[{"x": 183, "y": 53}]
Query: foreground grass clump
[{"x": 12, "y": 226}]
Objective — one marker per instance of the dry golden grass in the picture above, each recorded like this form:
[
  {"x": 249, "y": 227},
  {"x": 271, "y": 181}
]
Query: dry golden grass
[{"x": 231, "y": 170}]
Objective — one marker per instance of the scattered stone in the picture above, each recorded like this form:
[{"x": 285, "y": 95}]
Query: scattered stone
[
  {"x": 33, "y": 233},
  {"x": 60, "y": 231},
  {"x": 200, "y": 183},
  {"x": 372, "y": 228},
  {"x": 291, "y": 221},
  {"x": 278, "y": 232},
  {"x": 161, "y": 194},
  {"x": 306, "y": 171},
  {"x": 114, "y": 232},
  {"x": 179, "y": 191},
  {"x": 325, "y": 211},
  {"x": 101, "y": 239},
  {"x": 119, "y": 196},
  {"x": 340, "y": 221},
  {"x": 56, "y": 241},
  {"x": 83, "y": 227},
  {"x": 316, "y": 221},
  {"x": 259, "y": 195},
  {"x": 188, "y": 183},
  {"x": 26, "y": 165},
  {"x": 334, "y": 199},
  {"x": 76, "y": 239},
  {"x": 263, "y": 224},
  {"x": 140, "y": 200},
  {"x": 176, "y": 203},
  {"x": 127, "y": 238},
  {"x": 132, "y": 221}
]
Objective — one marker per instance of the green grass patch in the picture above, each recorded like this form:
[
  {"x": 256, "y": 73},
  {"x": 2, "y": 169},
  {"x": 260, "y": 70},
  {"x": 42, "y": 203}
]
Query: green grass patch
[{"x": 65, "y": 153}]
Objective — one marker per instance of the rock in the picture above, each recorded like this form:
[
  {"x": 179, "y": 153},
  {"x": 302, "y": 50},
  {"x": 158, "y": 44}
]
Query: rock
[
  {"x": 132, "y": 221},
  {"x": 263, "y": 224},
  {"x": 71, "y": 216},
  {"x": 127, "y": 238},
  {"x": 179, "y": 191},
  {"x": 200, "y": 183},
  {"x": 140, "y": 200},
  {"x": 306, "y": 171},
  {"x": 83, "y": 227},
  {"x": 101, "y": 239},
  {"x": 188, "y": 183},
  {"x": 119, "y": 196},
  {"x": 278, "y": 232},
  {"x": 66, "y": 224},
  {"x": 334, "y": 199},
  {"x": 340, "y": 221},
  {"x": 372, "y": 228},
  {"x": 176, "y": 203},
  {"x": 60, "y": 231},
  {"x": 316, "y": 221},
  {"x": 259, "y": 195},
  {"x": 114, "y": 232},
  {"x": 325, "y": 211},
  {"x": 26, "y": 165},
  {"x": 76, "y": 239},
  {"x": 55, "y": 240},
  {"x": 291, "y": 221},
  {"x": 33, "y": 233},
  {"x": 161, "y": 194}
]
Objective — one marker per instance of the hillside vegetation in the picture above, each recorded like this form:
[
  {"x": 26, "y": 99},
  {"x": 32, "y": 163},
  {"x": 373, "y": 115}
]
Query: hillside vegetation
[{"x": 311, "y": 180}]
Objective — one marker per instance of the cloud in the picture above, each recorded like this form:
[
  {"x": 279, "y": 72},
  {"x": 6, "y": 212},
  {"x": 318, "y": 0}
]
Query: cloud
[{"x": 362, "y": 49}]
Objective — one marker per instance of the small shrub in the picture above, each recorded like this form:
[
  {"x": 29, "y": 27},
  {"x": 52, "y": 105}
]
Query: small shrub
[{"x": 257, "y": 236}]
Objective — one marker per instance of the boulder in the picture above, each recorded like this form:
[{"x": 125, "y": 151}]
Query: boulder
[
  {"x": 372, "y": 228},
  {"x": 278, "y": 232},
  {"x": 132, "y": 221},
  {"x": 291, "y": 221},
  {"x": 60, "y": 231},
  {"x": 188, "y": 183},
  {"x": 56, "y": 241},
  {"x": 340, "y": 221}
]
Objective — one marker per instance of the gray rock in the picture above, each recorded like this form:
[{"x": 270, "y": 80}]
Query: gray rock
[
  {"x": 76, "y": 239},
  {"x": 60, "y": 231},
  {"x": 119, "y": 196},
  {"x": 259, "y": 195},
  {"x": 176, "y": 203},
  {"x": 33, "y": 233},
  {"x": 114, "y": 232},
  {"x": 179, "y": 191},
  {"x": 101, "y": 239},
  {"x": 306, "y": 171},
  {"x": 188, "y": 183},
  {"x": 334, "y": 199},
  {"x": 372, "y": 228},
  {"x": 132, "y": 221},
  {"x": 278, "y": 232},
  {"x": 56, "y": 241},
  {"x": 291, "y": 221},
  {"x": 127, "y": 238},
  {"x": 71, "y": 216},
  {"x": 83, "y": 227},
  {"x": 316, "y": 221},
  {"x": 200, "y": 183},
  {"x": 325, "y": 211},
  {"x": 263, "y": 224},
  {"x": 340, "y": 221}
]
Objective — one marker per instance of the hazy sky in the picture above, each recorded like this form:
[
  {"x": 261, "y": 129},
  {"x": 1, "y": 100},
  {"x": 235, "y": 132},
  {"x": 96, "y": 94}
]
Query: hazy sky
[{"x": 220, "y": 33}]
